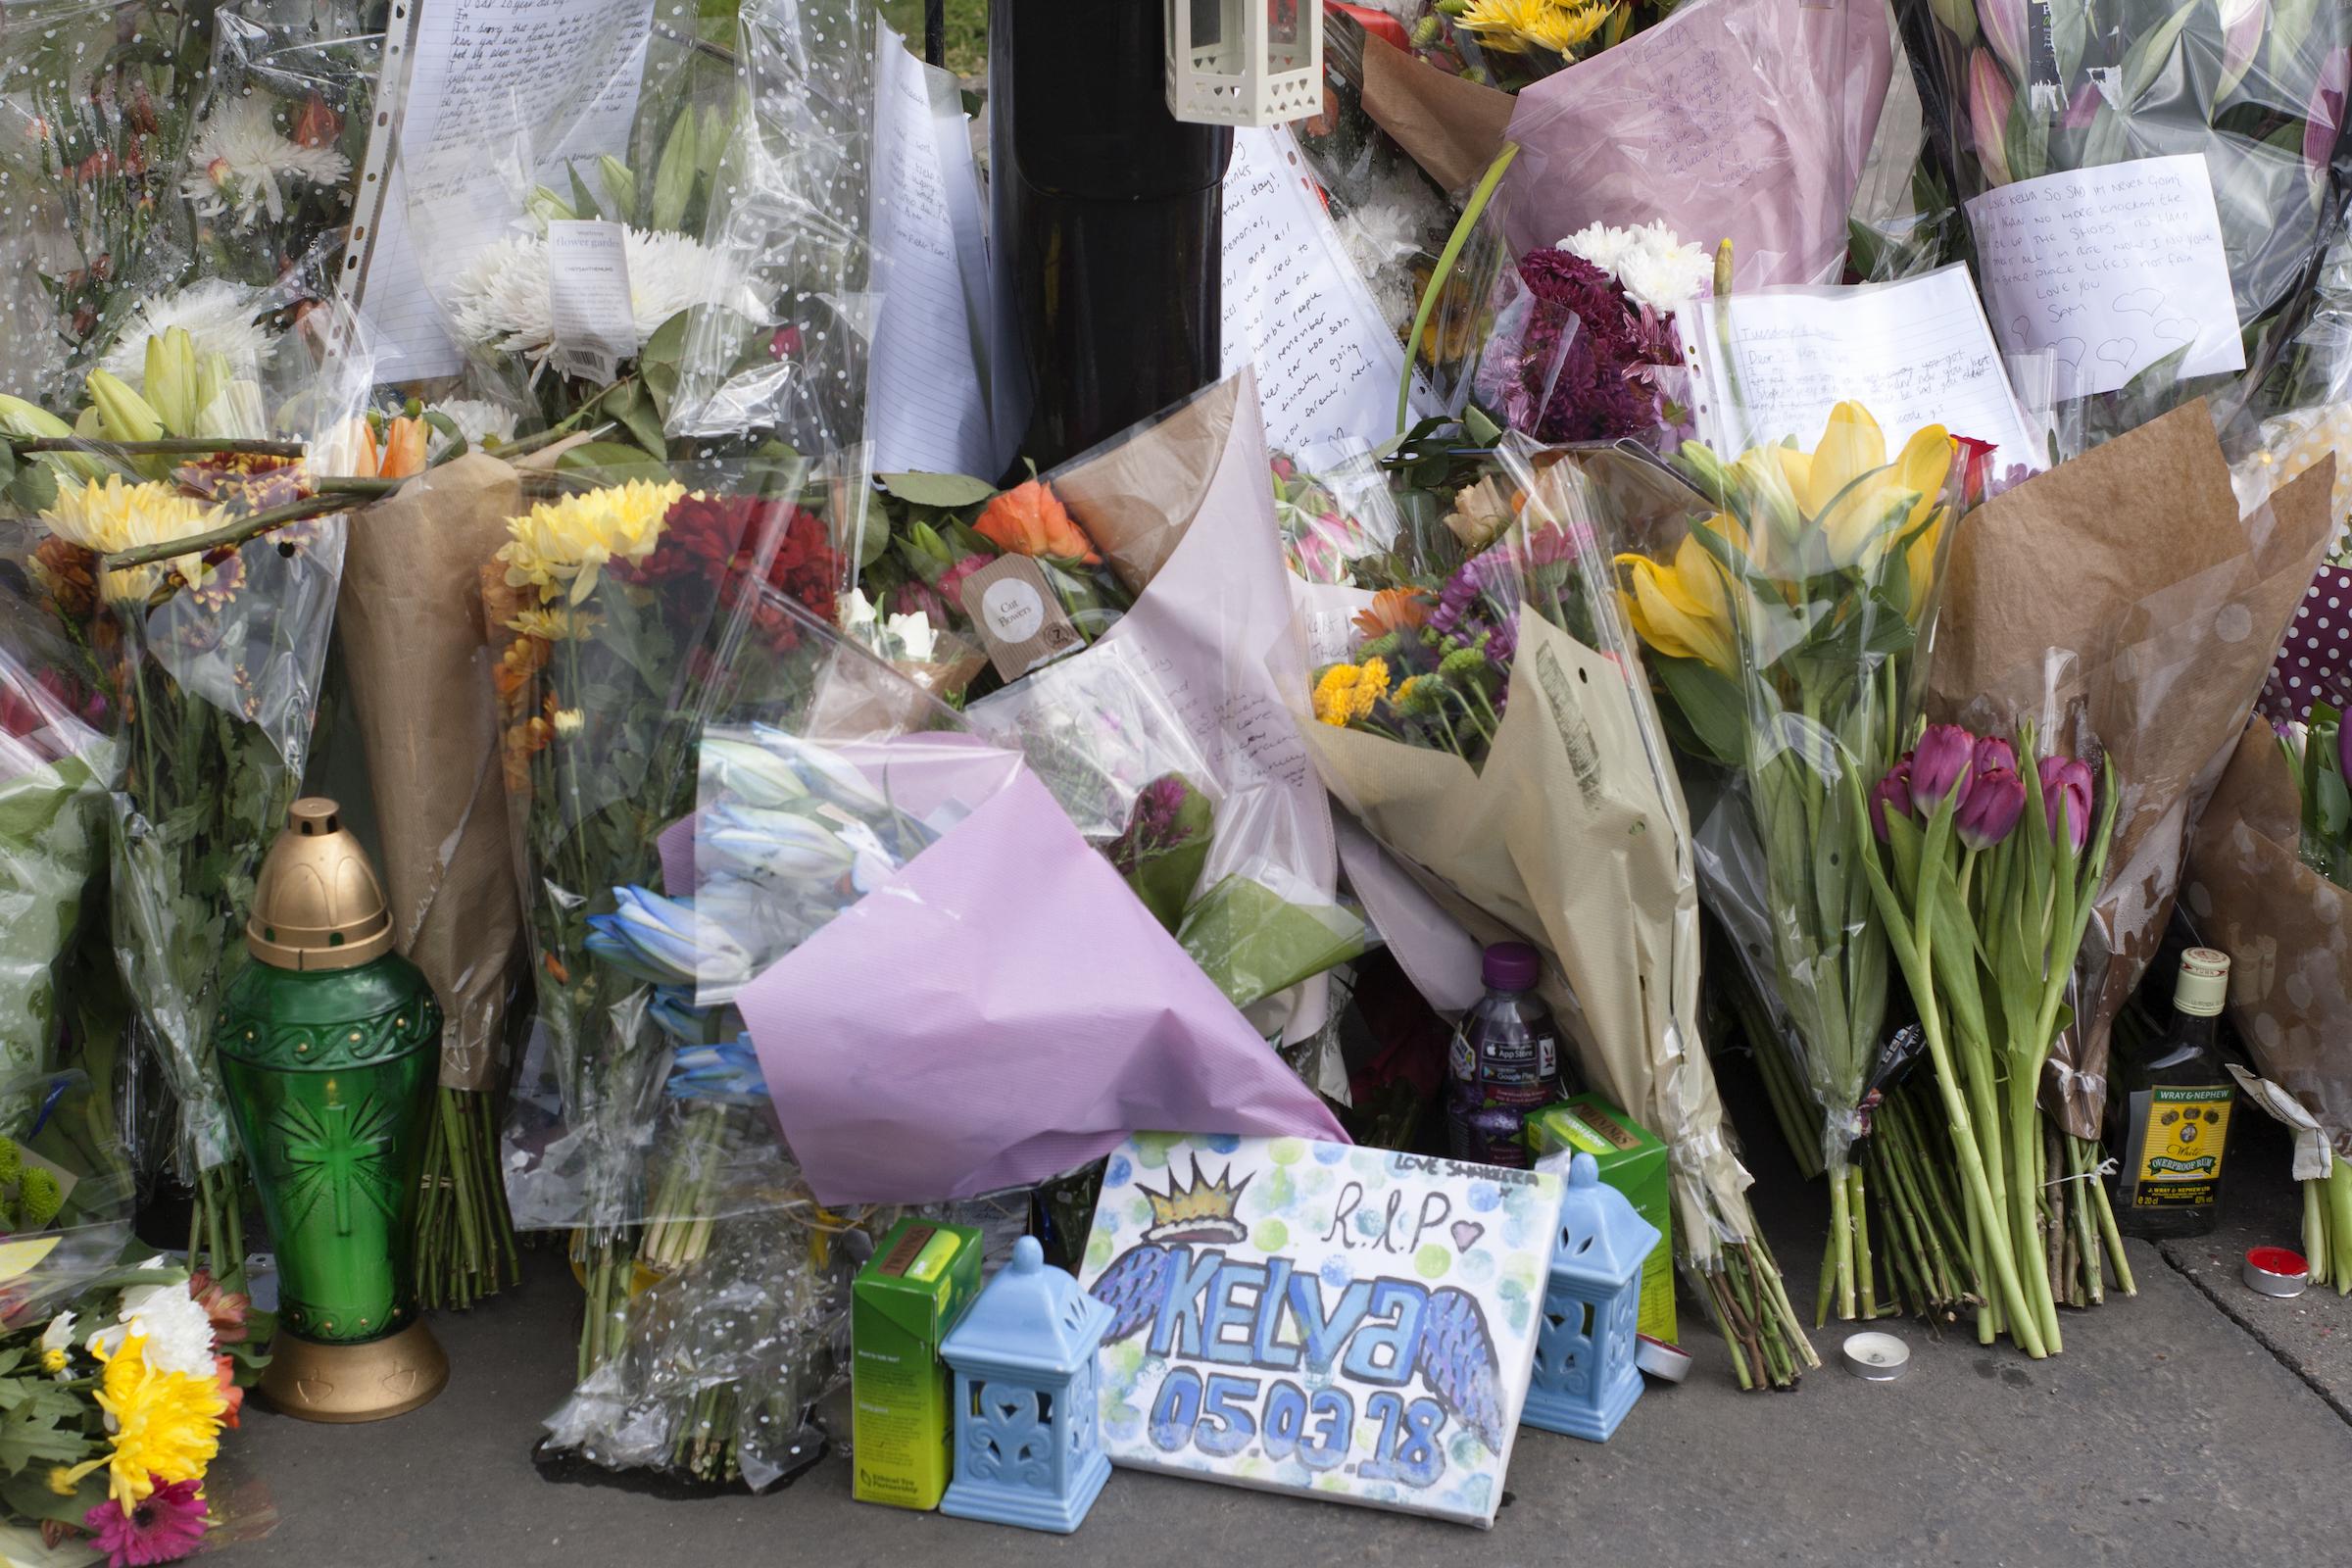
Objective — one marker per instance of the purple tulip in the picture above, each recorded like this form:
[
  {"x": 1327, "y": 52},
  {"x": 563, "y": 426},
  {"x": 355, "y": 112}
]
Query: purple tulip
[
  {"x": 2082, "y": 110},
  {"x": 1988, "y": 811},
  {"x": 1995, "y": 753},
  {"x": 2004, "y": 24},
  {"x": 1894, "y": 792},
  {"x": 2242, "y": 24},
  {"x": 1990, "y": 96},
  {"x": 2066, "y": 786},
  {"x": 1938, "y": 763},
  {"x": 2325, "y": 111}
]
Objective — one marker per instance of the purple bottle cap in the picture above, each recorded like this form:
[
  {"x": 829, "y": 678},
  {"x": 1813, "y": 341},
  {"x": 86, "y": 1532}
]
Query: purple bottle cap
[{"x": 1511, "y": 966}]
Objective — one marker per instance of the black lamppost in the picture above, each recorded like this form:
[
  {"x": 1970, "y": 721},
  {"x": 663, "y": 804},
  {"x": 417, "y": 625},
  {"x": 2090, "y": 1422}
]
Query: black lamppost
[{"x": 1108, "y": 223}]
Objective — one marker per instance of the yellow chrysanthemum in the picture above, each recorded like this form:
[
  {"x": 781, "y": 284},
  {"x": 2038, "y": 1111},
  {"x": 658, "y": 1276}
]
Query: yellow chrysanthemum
[
  {"x": 61, "y": 1481},
  {"x": 167, "y": 1425},
  {"x": 560, "y": 547},
  {"x": 53, "y": 1361},
  {"x": 1372, "y": 684},
  {"x": 557, "y": 623},
  {"x": 1335, "y": 694},
  {"x": 1513, "y": 27},
  {"x": 112, "y": 517}
]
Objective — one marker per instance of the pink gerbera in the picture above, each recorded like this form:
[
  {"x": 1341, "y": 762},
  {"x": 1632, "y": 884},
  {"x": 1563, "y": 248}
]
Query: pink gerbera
[{"x": 165, "y": 1528}]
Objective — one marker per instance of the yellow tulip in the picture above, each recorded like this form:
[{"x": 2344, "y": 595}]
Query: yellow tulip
[
  {"x": 1919, "y": 563},
  {"x": 1685, "y": 611},
  {"x": 1925, "y": 463}
]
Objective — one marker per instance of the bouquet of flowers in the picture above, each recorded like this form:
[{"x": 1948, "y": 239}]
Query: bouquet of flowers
[
  {"x": 1781, "y": 633},
  {"x": 2267, "y": 880},
  {"x": 1985, "y": 887},
  {"x": 56, "y": 773},
  {"x": 630, "y": 612},
  {"x": 210, "y": 652},
  {"x": 1646, "y": 125},
  {"x": 1492, "y": 729},
  {"x": 119, "y": 1405},
  {"x": 2255, "y": 92},
  {"x": 1584, "y": 345}
]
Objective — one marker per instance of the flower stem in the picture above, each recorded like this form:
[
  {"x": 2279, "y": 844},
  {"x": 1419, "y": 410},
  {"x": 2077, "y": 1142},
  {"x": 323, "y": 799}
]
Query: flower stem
[{"x": 1439, "y": 276}]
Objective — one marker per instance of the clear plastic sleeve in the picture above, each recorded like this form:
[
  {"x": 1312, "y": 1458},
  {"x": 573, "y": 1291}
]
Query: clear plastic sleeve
[
  {"x": 1551, "y": 751},
  {"x": 2014, "y": 93},
  {"x": 69, "y": 1197},
  {"x": 57, "y": 768},
  {"x": 2120, "y": 601}
]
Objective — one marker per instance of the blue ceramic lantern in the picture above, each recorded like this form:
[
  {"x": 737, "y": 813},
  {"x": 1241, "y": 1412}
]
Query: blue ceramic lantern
[
  {"x": 1585, "y": 1379},
  {"x": 1028, "y": 1427}
]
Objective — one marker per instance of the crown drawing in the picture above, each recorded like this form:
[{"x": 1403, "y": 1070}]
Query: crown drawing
[{"x": 1202, "y": 1211}]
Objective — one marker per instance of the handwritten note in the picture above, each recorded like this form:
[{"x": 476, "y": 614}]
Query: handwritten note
[
  {"x": 494, "y": 96},
  {"x": 2110, "y": 269},
  {"x": 1299, "y": 313},
  {"x": 588, "y": 297},
  {"x": 931, "y": 404},
  {"x": 1914, "y": 353}
]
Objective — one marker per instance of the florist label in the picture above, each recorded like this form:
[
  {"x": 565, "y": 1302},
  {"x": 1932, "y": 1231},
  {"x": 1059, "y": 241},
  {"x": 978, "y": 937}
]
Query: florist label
[
  {"x": 1350, "y": 1323},
  {"x": 2110, "y": 269},
  {"x": 1018, "y": 617}
]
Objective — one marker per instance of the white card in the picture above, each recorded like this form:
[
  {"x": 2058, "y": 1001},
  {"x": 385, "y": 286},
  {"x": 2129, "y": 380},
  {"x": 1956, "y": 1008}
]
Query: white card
[
  {"x": 2110, "y": 269},
  {"x": 1914, "y": 353},
  {"x": 588, "y": 298},
  {"x": 1300, "y": 313}
]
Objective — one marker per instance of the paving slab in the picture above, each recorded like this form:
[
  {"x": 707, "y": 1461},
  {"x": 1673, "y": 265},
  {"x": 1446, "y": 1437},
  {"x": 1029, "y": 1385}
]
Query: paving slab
[{"x": 2168, "y": 1429}]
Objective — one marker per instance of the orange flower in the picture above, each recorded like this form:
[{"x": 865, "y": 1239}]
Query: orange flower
[
  {"x": 1394, "y": 610},
  {"x": 404, "y": 448},
  {"x": 226, "y": 1370},
  {"x": 1029, "y": 519}
]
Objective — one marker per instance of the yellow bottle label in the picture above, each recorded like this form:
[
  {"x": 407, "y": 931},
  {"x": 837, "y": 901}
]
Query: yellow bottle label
[{"x": 2179, "y": 1160}]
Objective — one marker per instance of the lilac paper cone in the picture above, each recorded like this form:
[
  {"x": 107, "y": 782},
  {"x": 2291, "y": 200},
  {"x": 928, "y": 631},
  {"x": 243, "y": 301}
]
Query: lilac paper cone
[
  {"x": 1747, "y": 119},
  {"x": 1002, "y": 1010}
]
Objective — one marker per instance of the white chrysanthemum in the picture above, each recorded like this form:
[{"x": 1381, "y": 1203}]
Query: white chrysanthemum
[
  {"x": 175, "y": 1326},
  {"x": 242, "y": 161},
  {"x": 1662, "y": 273},
  {"x": 216, "y": 313},
  {"x": 1601, "y": 245},
  {"x": 1377, "y": 234},
  {"x": 501, "y": 300},
  {"x": 476, "y": 420}
]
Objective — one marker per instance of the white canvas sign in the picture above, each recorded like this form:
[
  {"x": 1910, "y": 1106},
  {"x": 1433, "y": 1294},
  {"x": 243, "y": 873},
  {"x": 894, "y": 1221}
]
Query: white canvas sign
[{"x": 1355, "y": 1324}]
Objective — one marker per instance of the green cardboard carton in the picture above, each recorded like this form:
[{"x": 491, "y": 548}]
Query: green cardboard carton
[
  {"x": 1632, "y": 1161},
  {"x": 904, "y": 1302}
]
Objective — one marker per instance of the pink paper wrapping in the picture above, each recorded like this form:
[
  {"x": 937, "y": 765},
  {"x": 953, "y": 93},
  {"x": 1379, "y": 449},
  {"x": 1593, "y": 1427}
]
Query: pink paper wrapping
[
  {"x": 1002, "y": 1010},
  {"x": 1747, "y": 119}
]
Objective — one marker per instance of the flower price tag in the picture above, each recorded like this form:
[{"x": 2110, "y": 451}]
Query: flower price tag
[
  {"x": 1019, "y": 618},
  {"x": 594, "y": 323}
]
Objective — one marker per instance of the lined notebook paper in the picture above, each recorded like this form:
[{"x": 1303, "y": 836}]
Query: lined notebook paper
[
  {"x": 1300, "y": 313},
  {"x": 930, "y": 404},
  {"x": 493, "y": 96},
  {"x": 1913, "y": 353}
]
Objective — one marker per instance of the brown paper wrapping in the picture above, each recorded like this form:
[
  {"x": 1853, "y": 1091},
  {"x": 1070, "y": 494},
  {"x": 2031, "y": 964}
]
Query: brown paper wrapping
[
  {"x": 1570, "y": 839},
  {"x": 2286, "y": 928},
  {"x": 1448, "y": 125},
  {"x": 410, "y": 620},
  {"x": 2119, "y": 602},
  {"x": 1135, "y": 498}
]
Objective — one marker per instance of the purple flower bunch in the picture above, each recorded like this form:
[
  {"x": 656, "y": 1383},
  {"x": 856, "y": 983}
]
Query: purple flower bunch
[
  {"x": 1588, "y": 364},
  {"x": 1983, "y": 768}
]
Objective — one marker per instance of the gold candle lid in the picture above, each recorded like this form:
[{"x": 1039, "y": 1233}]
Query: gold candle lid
[{"x": 318, "y": 904}]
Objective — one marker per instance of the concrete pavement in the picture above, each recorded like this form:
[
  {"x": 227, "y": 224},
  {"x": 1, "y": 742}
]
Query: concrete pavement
[{"x": 2195, "y": 1422}]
